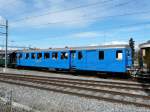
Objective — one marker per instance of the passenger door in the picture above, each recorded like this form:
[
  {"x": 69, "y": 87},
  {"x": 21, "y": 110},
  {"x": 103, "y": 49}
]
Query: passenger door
[
  {"x": 129, "y": 57},
  {"x": 73, "y": 56}
]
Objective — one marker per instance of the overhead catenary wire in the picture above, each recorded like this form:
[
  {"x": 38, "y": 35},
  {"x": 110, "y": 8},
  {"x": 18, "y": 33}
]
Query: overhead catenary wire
[
  {"x": 1, "y": 25},
  {"x": 97, "y": 17},
  {"x": 2, "y": 9},
  {"x": 109, "y": 16},
  {"x": 1, "y": 33},
  {"x": 64, "y": 10},
  {"x": 10, "y": 3},
  {"x": 32, "y": 11},
  {"x": 117, "y": 5},
  {"x": 46, "y": 9},
  {"x": 101, "y": 17},
  {"x": 114, "y": 28},
  {"x": 15, "y": 46}
]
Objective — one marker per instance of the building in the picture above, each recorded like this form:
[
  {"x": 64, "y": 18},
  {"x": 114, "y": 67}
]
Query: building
[{"x": 145, "y": 55}]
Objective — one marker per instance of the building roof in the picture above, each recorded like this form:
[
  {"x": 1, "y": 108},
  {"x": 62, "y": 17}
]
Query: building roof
[
  {"x": 145, "y": 45},
  {"x": 79, "y": 48},
  {"x": 8, "y": 52}
]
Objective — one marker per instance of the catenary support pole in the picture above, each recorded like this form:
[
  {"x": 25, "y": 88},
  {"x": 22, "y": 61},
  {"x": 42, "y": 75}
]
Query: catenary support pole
[{"x": 6, "y": 44}]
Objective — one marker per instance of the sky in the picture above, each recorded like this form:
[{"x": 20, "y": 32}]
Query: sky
[{"x": 60, "y": 23}]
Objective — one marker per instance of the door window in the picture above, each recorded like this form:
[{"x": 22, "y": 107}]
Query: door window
[
  {"x": 119, "y": 55},
  {"x": 80, "y": 55}
]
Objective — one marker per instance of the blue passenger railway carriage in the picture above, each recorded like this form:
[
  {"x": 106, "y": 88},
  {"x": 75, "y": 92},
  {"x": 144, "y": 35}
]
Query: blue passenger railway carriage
[{"x": 108, "y": 58}]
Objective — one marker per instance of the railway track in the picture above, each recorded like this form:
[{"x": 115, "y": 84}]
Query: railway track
[
  {"x": 119, "y": 92},
  {"x": 127, "y": 85}
]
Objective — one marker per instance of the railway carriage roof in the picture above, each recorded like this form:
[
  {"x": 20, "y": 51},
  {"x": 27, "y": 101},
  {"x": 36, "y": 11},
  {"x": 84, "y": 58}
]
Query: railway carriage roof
[
  {"x": 145, "y": 45},
  {"x": 79, "y": 48}
]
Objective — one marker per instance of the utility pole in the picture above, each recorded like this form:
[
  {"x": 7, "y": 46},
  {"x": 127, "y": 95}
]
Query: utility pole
[
  {"x": 4, "y": 26},
  {"x": 6, "y": 43}
]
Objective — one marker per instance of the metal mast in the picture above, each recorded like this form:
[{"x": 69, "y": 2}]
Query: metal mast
[{"x": 6, "y": 44}]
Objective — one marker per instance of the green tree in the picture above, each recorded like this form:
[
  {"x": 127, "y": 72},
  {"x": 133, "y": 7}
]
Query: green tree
[{"x": 132, "y": 46}]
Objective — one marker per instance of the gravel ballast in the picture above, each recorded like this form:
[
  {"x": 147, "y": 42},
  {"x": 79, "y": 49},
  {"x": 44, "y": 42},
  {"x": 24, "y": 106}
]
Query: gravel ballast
[
  {"x": 47, "y": 101},
  {"x": 51, "y": 74}
]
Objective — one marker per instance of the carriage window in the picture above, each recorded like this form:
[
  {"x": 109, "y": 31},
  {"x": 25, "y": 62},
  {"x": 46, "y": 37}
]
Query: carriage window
[
  {"x": 143, "y": 52},
  {"x": 54, "y": 55},
  {"x": 80, "y": 56},
  {"x": 27, "y": 55},
  {"x": 39, "y": 56},
  {"x": 20, "y": 56},
  {"x": 46, "y": 55},
  {"x": 101, "y": 55},
  {"x": 119, "y": 55},
  {"x": 64, "y": 55},
  {"x": 128, "y": 53},
  {"x": 33, "y": 56},
  {"x": 73, "y": 54}
]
